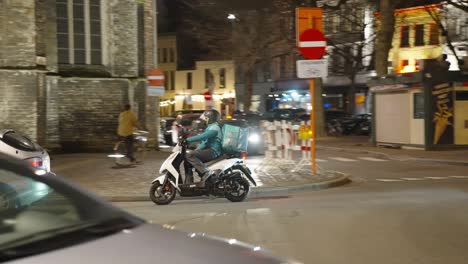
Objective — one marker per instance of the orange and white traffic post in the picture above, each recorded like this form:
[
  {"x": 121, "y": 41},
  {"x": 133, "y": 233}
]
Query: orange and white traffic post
[{"x": 311, "y": 43}]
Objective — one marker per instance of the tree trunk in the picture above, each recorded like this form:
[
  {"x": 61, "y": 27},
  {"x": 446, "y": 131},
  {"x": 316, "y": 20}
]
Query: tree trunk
[
  {"x": 351, "y": 96},
  {"x": 248, "y": 89},
  {"x": 384, "y": 36}
]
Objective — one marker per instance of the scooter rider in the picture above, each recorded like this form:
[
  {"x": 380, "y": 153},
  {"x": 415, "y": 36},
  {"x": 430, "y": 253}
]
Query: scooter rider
[{"x": 210, "y": 147}]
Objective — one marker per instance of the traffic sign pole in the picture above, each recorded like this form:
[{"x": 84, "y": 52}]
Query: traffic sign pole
[{"x": 313, "y": 127}]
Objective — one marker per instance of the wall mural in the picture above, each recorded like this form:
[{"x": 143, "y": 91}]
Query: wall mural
[{"x": 443, "y": 113}]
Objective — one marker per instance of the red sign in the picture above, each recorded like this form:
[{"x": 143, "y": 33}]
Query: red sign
[
  {"x": 155, "y": 78},
  {"x": 312, "y": 44},
  {"x": 208, "y": 96}
]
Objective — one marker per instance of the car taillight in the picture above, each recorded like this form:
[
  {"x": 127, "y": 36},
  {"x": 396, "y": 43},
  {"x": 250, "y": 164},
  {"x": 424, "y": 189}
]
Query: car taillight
[{"x": 36, "y": 162}]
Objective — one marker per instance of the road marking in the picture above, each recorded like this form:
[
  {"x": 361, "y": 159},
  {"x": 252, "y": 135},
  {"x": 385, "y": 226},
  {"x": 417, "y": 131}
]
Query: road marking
[
  {"x": 413, "y": 179},
  {"x": 342, "y": 159},
  {"x": 437, "y": 178},
  {"x": 321, "y": 160},
  {"x": 261, "y": 211},
  {"x": 389, "y": 180},
  {"x": 459, "y": 177},
  {"x": 371, "y": 159}
]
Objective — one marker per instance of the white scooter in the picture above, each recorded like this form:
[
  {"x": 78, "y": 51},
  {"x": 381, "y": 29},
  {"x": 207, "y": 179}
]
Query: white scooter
[{"x": 229, "y": 179}]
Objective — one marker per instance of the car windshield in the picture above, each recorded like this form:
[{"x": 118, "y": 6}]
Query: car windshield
[
  {"x": 187, "y": 120},
  {"x": 19, "y": 142},
  {"x": 31, "y": 211}
]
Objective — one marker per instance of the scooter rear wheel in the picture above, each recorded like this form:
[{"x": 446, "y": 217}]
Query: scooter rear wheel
[
  {"x": 162, "y": 195},
  {"x": 239, "y": 190}
]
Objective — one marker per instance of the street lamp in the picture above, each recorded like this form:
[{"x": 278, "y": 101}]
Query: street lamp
[{"x": 231, "y": 17}]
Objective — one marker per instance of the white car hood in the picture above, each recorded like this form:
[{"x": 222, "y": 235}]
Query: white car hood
[{"x": 154, "y": 244}]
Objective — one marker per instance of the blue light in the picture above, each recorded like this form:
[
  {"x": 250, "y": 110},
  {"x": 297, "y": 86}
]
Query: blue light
[{"x": 326, "y": 105}]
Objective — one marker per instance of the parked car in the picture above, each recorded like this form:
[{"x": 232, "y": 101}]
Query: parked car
[
  {"x": 185, "y": 120},
  {"x": 252, "y": 118},
  {"x": 356, "y": 125},
  {"x": 67, "y": 224},
  {"x": 187, "y": 111},
  {"x": 288, "y": 114},
  {"x": 23, "y": 148}
]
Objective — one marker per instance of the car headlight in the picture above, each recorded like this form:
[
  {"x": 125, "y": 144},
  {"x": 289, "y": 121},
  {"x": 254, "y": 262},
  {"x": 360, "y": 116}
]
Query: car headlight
[{"x": 254, "y": 138}]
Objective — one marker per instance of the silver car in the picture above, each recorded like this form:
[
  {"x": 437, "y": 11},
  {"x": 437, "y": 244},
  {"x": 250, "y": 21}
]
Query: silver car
[
  {"x": 45, "y": 219},
  {"x": 21, "y": 147}
]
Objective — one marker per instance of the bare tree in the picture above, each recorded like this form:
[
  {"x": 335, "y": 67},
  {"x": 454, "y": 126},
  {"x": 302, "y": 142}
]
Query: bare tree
[
  {"x": 253, "y": 37},
  {"x": 351, "y": 43}
]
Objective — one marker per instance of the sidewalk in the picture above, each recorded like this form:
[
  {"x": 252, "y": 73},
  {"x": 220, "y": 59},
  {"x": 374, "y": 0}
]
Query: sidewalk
[
  {"x": 97, "y": 173},
  {"x": 361, "y": 144}
]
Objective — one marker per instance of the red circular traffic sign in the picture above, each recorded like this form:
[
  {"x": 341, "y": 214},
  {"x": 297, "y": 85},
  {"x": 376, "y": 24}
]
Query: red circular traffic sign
[
  {"x": 208, "y": 96},
  {"x": 312, "y": 44},
  {"x": 155, "y": 77}
]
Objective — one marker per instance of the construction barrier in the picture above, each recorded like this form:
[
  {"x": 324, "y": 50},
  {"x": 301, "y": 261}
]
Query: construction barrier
[{"x": 283, "y": 142}]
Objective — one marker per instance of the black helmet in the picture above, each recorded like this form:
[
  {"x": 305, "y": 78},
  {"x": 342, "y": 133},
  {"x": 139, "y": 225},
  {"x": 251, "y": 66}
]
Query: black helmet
[{"x": 212, "y": 115}]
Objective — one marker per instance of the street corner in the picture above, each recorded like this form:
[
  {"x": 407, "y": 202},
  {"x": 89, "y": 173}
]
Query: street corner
[{"x": 277, "y": 181}]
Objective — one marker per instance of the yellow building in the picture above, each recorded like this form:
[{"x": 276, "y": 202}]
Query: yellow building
[
  {"x": 215, "y": 77},
  {"x": 167, "y": 60},
  {"x": 416, "y": 37}
]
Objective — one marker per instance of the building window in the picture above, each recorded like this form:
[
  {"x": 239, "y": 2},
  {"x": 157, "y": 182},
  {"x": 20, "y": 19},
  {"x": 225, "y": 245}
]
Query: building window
[
  {"x": 222, "y": 78},
  {"x": 282, "y": 67},
  {"x": 434, "y": 35},
  {"x": 404, "y": 63},
  {"x": 171, "y": 55},
  {"x": 189, "y": 80},
  {"x": 419, "y": 35},
  {"x": 172, "y": 80},
  {"x": 336, "y": 23},
  {"x": 267, "y": 71},
  {"x": 404, "y": 41},
  {"x": 166, "y": 77},
  {"x": 164, "y": 55},
  {"x": 208, "y": 78},
  {"x": 418, "y": 106},
  {"x": 328, "y": 19},
  {"x": 79, "y": 32},
  {"x": 159, "y": 55}
]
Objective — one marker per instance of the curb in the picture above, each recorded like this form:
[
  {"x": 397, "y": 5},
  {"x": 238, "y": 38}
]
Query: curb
[
  {"x": 254, "y": 193},
  {"x": 390, "y": 157},
  {"x": 449, "y": 162},
  {"x": 361, "y": 151}
]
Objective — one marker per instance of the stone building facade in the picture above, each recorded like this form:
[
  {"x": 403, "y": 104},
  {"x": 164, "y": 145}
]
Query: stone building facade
[{"x": 67, "y": 68}]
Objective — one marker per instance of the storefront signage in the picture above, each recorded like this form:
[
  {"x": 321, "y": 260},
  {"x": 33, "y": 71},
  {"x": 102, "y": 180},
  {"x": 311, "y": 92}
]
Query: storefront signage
[
  {"x": 307, "y": 69},
  {"x": 442, "y": 95},
  {"x": 388, "y": 87}
]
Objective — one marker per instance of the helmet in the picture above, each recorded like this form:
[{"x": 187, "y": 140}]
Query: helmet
[{"x": 212, "y": 115}]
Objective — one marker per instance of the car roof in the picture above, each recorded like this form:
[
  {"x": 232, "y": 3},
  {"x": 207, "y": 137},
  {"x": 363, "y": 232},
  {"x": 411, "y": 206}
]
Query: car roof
[{"x": 191, "y": 115}]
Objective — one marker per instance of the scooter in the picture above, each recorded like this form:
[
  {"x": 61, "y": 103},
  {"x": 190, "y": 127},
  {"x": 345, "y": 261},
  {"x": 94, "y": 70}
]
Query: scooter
[{"x": 230, "y": 178}]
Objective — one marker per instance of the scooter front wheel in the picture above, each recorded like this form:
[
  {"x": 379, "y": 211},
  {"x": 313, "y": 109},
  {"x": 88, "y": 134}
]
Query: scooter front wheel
[{"x": 162, "y": 195}]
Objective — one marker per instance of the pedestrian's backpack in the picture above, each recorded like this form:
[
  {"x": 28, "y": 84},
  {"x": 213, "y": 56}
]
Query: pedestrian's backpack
[{"x": 235, "y": 138}]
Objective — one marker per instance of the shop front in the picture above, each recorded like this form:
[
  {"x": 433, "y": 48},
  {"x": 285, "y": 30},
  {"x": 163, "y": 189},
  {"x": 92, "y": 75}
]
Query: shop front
[{"x": 423, "y": 110}]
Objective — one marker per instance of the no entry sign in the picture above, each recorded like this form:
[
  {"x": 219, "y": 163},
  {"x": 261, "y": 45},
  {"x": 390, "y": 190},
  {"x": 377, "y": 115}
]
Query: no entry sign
[
  {"x": 312, "y": 44},
  {"x": 155, "y": 83}
]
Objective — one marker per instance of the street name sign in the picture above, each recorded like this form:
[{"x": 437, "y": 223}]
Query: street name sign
[{"x": 307, "y": 69}]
